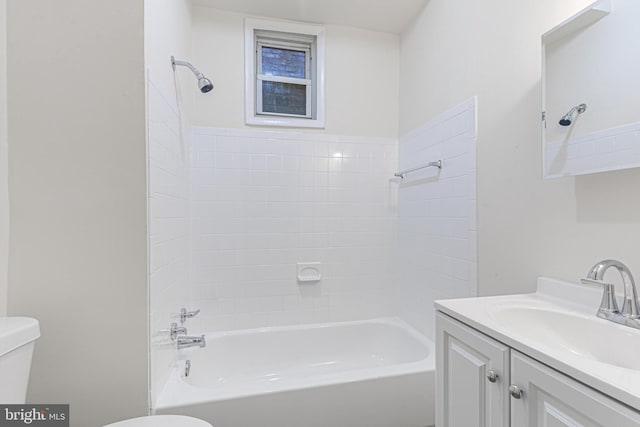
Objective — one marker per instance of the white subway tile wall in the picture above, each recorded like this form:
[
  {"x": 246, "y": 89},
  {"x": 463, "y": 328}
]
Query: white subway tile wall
[
  {"x": 168, "y": 228},
  {"x": 231, "y": 217},
  {"x": 263, "y": 201},
  {"x": 437, "y": 249},
  {"x": 606, "y": 150}
]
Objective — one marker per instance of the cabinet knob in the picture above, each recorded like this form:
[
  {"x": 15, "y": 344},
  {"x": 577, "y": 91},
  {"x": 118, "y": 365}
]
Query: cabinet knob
[
  {"x": 515, "y": 391},
  {"x": 492, "y": 376}
]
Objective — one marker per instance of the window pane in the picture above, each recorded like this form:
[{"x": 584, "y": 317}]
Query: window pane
[
  {"x": 284, "y": 98},
  {"x": 283, "y": 62}
]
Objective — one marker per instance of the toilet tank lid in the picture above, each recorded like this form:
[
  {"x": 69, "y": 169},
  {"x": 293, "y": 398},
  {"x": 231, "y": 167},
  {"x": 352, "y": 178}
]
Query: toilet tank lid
[{"x": 16, "y": 332}]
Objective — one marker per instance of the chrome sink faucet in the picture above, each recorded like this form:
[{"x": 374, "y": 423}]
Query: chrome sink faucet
[{"x": 630, "y": 313}]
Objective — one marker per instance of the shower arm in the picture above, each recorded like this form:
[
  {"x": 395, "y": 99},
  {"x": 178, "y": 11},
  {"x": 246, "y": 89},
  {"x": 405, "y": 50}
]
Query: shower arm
[
  {"x": 579, "y": 108},
  {"x": 570, "y": 113},
  {"x": 193, "y": 69}
]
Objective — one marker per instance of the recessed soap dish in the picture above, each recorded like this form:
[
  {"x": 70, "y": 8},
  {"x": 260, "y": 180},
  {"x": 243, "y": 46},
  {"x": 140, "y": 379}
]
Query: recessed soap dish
[{"x": 309, "y": 272}]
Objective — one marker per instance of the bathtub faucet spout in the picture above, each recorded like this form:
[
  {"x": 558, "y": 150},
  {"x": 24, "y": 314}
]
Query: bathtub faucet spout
[{"x": 185, "y": 341}]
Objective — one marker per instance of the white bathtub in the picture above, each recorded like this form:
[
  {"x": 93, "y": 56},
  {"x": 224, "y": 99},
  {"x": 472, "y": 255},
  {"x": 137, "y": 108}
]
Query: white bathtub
[{"x": 373, "y": 373}]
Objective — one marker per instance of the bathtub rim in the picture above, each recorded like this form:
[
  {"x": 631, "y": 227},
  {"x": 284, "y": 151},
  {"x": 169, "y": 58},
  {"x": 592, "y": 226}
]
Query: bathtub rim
[{"x": 177, "y": 393}]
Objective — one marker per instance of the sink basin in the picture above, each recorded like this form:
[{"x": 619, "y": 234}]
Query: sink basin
[{"x": 583, "y": 336}]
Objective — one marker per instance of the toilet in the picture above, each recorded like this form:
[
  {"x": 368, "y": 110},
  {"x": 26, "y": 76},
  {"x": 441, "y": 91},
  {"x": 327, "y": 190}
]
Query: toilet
[
  {"x": 161, "y": 421},
  {"x": 17, "y": 339}
]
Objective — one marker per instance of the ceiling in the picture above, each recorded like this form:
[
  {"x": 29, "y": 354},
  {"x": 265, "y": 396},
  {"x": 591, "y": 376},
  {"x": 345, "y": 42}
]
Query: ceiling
[{"x": 390, "y": 16}]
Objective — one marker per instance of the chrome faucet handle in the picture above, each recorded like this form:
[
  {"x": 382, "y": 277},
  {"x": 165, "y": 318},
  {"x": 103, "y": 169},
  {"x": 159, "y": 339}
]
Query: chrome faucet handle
[
  {"x": 184, "y": 314},
  {"x": 608, "y": 306},
  {"x": 175, "y": 330}
]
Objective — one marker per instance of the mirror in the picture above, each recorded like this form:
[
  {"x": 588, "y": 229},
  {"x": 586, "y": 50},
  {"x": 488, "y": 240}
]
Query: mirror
[{"x": 591, "y": 91}]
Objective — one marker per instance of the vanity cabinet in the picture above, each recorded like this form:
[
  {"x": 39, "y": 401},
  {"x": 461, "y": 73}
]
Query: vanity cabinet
[
  {"x": 474, "y": 373},
  {"x": 472, "y": 377}
]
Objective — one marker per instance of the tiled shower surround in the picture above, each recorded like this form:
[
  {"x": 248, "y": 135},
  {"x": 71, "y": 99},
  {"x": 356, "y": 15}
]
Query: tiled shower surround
[
  {"x": 232, "y": 218},
  {"x": 263, "y": 201},
  {"x": 437, "y": 250},
  {"x": 168, "y": 226}
]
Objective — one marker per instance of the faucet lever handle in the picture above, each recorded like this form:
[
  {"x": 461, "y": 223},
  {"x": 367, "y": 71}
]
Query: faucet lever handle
[
  {"x": 608, "y": 305},
  {"x": 588, "y": 281},
  {"x": 184, "y": 314},
  {"x": 175, "y": 330}
]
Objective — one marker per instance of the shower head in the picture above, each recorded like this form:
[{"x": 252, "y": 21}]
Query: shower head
[
  {"x": 568, "y": 118},
  {"x": 204, "y": 84}
]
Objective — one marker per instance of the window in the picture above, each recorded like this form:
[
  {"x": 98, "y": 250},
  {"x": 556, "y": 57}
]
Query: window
[
  {"x": 284, "y": 82},
  {"x": 284, "y": 74}
]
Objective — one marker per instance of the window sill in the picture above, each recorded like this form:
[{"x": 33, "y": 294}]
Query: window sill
[{"x": 284, "y": 122}]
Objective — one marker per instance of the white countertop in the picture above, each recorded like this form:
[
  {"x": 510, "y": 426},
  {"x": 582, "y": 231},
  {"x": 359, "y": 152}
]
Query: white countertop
[{"x": 564, "y": 298}]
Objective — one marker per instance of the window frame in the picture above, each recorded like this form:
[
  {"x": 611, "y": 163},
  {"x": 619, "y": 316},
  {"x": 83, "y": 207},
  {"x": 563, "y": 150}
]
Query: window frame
[{"x": 285, "y": 35}]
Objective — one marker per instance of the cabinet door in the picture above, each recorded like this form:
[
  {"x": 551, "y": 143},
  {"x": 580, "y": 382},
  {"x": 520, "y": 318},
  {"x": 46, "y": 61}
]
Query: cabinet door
[
  {"x": 465, "y": 359},
  {"x": 552, "y": 399}
]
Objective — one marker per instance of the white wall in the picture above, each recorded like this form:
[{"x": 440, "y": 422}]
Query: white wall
[
  {"x": 264, "y": 202},
  {"x": 526, "y": 227},
  {"x": 4, "y": 184},
  {"x": 78, "y": 188},
  {"x": 436, "y": 257},
  {"x": 361, "y": 76},
  {"x": 167, "y": 33}
]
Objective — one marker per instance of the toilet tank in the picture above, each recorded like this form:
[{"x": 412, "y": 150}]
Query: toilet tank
[{"x": 17, "y": 339}]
